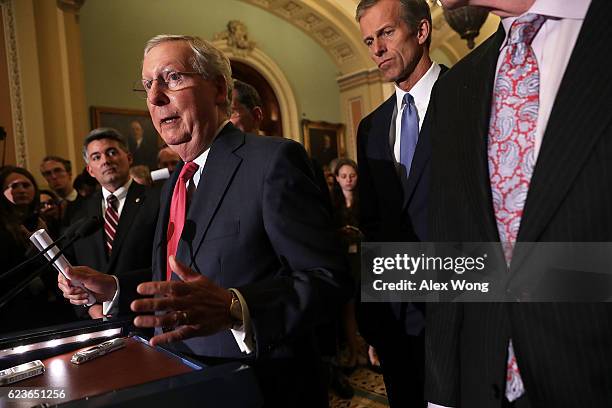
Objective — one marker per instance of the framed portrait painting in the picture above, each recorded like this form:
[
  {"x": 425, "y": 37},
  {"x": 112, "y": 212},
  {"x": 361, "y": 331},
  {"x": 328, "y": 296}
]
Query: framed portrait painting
[
  {"x": 137, "y": 129},
  {"x": 323, "y": 141}
]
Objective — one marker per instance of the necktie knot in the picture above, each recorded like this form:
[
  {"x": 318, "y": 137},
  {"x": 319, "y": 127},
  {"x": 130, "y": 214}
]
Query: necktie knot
[
  {"x": 111, "y": 201},
  {"x": 188, "y": 171},
  {"x": 408, "y": 99},
  {"x": 525, "y": 28}
]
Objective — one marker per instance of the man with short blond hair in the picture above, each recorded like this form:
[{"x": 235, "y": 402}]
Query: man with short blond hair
[{"x": 393, "y": 159}]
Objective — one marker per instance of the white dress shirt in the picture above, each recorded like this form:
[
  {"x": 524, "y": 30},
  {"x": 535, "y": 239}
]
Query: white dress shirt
[
  {"x": 111, "y": 307},
  {"x": 421, "y": 91},
  {"x": 553, "y": 46}
]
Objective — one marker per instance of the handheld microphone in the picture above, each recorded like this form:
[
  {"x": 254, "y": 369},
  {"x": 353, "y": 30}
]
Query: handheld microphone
[{"x": 84, "y": 229}]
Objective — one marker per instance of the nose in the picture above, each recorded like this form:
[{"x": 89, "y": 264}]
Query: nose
[
  {"x": 156, "y": 95},
  {"x": 378, "y": 47}
]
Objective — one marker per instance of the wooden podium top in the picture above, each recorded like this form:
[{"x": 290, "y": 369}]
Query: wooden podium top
[{"x": 136, "y": 363}]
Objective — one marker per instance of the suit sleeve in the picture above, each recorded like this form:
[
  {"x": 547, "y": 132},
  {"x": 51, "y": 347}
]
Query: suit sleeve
[
  {"x": 369, "y": 220},
  {"x": 313, "y": 279}
]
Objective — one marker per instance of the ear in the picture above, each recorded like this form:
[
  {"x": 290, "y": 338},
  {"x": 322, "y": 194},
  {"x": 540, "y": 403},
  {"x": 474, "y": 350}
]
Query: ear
[
  {"x": 423, "y": 31},
  {"x": 88, "y": 167},
  {"x": 221, "y": 87},
  {"x": 257, "y": 113},
  {"x": 130, "y": 159}
]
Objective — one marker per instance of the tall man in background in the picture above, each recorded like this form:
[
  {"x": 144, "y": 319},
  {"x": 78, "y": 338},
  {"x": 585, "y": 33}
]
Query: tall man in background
[
  {"x": 247, "y": 111},
  {"x": 526, "y": 158},
  {"x": 393, "y": 155}
]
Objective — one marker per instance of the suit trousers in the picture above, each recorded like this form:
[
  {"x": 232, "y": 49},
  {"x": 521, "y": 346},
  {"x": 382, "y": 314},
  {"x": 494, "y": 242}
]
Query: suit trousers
[{"x": 403, "y": 371}]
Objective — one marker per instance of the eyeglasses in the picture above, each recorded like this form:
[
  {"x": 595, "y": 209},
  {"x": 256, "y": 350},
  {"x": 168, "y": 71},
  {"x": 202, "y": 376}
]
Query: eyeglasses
[{"x": 171, "y": 80}]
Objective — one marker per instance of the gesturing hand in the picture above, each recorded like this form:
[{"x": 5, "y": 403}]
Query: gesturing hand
[{"x": 194, "y": 306}]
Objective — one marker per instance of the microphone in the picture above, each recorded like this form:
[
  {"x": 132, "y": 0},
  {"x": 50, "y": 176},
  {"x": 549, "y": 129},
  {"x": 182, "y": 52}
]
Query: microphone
[
  {"x": 81, "y": 228},
  {"x": 84, "y": 229}
]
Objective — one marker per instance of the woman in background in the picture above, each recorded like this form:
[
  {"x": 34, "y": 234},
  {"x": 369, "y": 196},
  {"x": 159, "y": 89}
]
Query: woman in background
[
  {"x": 346, "y": 212},
  {"x": 37, "y": 304}
]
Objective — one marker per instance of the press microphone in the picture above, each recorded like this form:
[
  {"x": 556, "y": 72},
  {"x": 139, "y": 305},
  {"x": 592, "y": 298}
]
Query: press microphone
[
  {"x": 84, "y": 228},
  {"x": 81, "y": 228}
]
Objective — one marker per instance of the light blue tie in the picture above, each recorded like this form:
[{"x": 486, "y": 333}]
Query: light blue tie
[{"x": 409, "y": 132}]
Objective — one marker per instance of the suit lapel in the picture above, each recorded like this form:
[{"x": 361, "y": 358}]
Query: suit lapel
[
  {"x": 474, "y": 127},
  {"x": 421, "y": 156},
  {"x": 94, "y": 209},
  {"x": 578, "y": 118},
  {"x": 132, "y": 204},
  {"x": 380, "y": 144},
  {"x": 217, "y": 174},
  {"x": 159, "y": 247}
]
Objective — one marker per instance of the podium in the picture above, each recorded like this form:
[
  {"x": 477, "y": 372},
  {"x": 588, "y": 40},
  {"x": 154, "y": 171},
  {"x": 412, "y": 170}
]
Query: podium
[{"x": 136, "y": 375}]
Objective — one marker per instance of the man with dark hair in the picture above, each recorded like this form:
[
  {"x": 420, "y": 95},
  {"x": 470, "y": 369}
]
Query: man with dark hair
[
  {"x": 247, "y": 113},
  {"x": 58, "y": 173},
  {"x": 129, "y": 210},
  {"x": 522, "y": 153},
  {"x": 393, "y": 155}
]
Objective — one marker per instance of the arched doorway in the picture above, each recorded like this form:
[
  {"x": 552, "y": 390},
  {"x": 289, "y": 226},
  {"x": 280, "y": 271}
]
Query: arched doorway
[{"x": 272, "y": 124}]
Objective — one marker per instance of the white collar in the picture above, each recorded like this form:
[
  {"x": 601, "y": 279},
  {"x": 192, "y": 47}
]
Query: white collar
[
  {"x": 574, "y": 9},
  {"x": 120, "y": 193},
  {"x": 421, "y": 90},
  {"x": 201, "y": 159}
]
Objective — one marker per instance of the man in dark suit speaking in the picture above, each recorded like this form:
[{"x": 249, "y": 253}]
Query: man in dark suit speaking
[
  {"x": 244, "y": 261},
  {"x": 521, "y": 152}
]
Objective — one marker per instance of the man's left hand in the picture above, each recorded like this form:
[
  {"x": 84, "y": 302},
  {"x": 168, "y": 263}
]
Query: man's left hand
[{"x": 194, "y": 306}]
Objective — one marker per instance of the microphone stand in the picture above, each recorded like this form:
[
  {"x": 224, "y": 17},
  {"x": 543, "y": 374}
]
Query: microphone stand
[
  {"x": 23, "y": 284},
  {"x": 69, "y": 233}
]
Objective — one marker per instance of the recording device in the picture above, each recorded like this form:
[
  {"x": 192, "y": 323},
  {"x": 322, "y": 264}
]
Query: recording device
[
  {"x": 21, "y": 372},
  {"x": 160, "y": 174},
  {"x": 97, "y": 351},
  {"x": 41, "y": 240}
]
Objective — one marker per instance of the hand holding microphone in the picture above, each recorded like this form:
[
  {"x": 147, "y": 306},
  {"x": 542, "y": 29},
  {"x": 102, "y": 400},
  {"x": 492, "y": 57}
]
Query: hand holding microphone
[{"x": 92, "y": 283}]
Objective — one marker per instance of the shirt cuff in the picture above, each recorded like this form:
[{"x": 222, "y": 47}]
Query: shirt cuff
[
  {"x": 431, "y": 405},
  {"x": 244, "y": 334},
  {"x": 112, "y": 307}
]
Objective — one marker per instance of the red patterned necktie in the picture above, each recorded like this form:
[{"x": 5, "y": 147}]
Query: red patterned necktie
[
  {"x": 514, "y": 116},
  {"x": 111, "y": 221},
  {"x": 178, "y": 212}
]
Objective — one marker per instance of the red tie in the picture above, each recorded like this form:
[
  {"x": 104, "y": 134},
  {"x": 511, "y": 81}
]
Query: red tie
[
  {"x": 111, "y": 220},
  {"x": 178, "y": 212}
]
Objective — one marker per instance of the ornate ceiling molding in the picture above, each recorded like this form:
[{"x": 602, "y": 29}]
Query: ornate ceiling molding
[
  {"x": 16, "y": 94},
  {"x": 326, "y": 23}
]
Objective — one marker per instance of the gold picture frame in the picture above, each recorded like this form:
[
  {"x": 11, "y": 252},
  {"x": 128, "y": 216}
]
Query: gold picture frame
[{"x": 324, "y": 141}]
